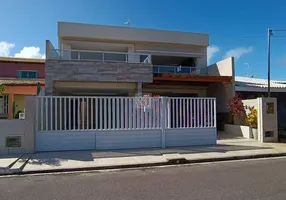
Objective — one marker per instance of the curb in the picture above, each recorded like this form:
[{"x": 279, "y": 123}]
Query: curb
[{"x": 134, "y": 166}]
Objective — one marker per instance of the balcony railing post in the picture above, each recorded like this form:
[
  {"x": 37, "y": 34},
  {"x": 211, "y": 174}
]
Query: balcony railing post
[
  {"x": 126, "y": 58},
  {"x": 78, "y": 55},
  {"x": 102, "y": 56}
]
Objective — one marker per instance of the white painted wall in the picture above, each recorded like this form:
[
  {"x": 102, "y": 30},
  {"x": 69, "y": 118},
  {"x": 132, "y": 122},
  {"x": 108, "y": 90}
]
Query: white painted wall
[
  {"x": 11, "y": 128},
  {"x": 77, "y": 30},
  {"x": 222, "y": 68}
]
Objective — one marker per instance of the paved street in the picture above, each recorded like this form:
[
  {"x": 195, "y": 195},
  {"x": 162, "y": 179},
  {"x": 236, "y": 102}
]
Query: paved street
[{"x": 253, "y": 179}]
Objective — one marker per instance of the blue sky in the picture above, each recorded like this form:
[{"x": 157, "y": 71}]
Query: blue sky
[{"x": 237, "y": 28}]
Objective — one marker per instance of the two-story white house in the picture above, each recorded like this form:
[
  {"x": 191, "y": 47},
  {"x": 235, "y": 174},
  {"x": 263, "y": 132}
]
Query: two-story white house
[
  {"x": 95, "y": 73},
  {"x": 99, "y": 60}
]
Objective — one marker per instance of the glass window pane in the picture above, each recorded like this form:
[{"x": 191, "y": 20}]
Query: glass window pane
[{"x": 115, "y": 57}]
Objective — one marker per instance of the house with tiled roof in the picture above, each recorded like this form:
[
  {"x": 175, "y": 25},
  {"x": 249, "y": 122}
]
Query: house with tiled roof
[{"x": 20, "y": 78}]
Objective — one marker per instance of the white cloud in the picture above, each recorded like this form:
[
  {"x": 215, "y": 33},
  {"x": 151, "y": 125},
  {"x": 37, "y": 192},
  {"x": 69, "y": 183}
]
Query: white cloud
[
  {"x": 238, "y": 52},
  {"x": 26, "y": 52},
  {"x": 5, "y": 48},
  {"x": 211, "y": 51},
  {"x": 29, "y": 52}
]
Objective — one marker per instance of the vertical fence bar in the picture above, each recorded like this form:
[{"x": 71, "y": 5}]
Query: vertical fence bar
[
  {"x": 159, "y": 112},
  {"x": 121, "y": 111},
  {"x": 92, "y": 113},
  {"x": 130, "y": 112},
  {"x": 69, "y": 113},
  {"x": 126, "y": 113},
  {"x": 145, "y": 112},
  {"x": 56, "y": 113},
  {"x": 51, "y": 117},
  {"x": 154, "y": 107},
  {"x": 117, "y": 113},
  {"x": 96, "y": 110},
  {"x": 184, "y": 113},
  {"x": 205, "y": 114},
  {"x": 177, "y": 113},
  {"x": 134, "y": 104},
  {"x": 60, "y": 118},
  {"x": 191, "y": 106},
  {"x": 181, "y": 112},
  {"x": 87, "y": 112},
  {"x": 65, "y": 113},
  {"x": 150, "y": 112},
  {"x": 138, "y": 107},
  {"x": 201, "y": 125},
  {"x": 195, "y": 112},
  {"x": 198, "y": 112},
  {"x": 208, "y": 111},
  {"x": 109, "y": 113},
  {"x": 78, "y": 113},
  {"x": 173, "y": 113},
  {"x": 113, "y": 112},
  {"x": 42, "y": 113},
  {"x": 82, "y": 113},
  {"x": 105, "y": 113},
  {"x": 212, "y": 113},
  {"x": 188, "y": 113},
  {"x": 215, "y": 122},
  {"x": 100, "y": 99},
  {"x": 74, "y": 115}
]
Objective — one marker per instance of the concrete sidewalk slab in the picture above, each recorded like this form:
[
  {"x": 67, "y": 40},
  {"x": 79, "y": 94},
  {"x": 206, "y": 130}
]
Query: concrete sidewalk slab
[
  {"x": 90, "y": 159},
  {"x": 227, "y": 149}
]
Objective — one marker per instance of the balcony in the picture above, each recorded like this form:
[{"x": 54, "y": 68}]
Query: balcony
[
  {"x": 180, "y": 70},
  {"x": 85, "y": 55}
]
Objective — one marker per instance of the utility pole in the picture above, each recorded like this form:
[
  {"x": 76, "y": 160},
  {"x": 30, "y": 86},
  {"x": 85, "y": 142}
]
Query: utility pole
[{"x": 269, "y": 42}]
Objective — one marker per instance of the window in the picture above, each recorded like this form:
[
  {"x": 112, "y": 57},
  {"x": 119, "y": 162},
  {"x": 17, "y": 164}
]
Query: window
[{"x": 28, "y": 74}]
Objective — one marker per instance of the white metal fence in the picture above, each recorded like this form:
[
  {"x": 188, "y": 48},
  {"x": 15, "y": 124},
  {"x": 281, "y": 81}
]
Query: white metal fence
[{"x": 123, "y": 113}]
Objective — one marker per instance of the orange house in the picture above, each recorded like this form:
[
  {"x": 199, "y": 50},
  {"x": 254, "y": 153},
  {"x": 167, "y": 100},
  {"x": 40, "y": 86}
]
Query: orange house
[{"x": 20, "y": 78}]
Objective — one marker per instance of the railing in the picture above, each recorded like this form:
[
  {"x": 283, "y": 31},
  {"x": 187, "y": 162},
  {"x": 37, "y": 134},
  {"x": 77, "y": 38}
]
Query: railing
[
  {"x": 99, "y": 56},
  {"x": 123, "y": 113},
  {"x": 3, "y": 104},
  {"x": 164, "y": 69}
]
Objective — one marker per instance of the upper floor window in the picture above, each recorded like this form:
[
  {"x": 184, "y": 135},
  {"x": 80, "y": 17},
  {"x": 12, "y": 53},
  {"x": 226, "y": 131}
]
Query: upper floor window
[{"x": 28, "y": 74}]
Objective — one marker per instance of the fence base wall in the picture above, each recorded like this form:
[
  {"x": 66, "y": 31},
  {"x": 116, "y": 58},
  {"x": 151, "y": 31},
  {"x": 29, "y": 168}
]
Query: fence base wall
[
  {"x": 190, "y": 136},
  {"x": 128, "y": 139},
  {"x": 64, "y": 141}
]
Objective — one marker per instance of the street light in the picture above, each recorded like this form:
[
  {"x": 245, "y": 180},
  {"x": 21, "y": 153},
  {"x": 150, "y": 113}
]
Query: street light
[{"x": 270, "y": 33}]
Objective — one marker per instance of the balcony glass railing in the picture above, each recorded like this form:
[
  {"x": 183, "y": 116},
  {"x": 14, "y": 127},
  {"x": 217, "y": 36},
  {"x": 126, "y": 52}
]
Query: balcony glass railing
[
  {"x": 99, "y": 56},
  {"x": 163, "y": 69}
]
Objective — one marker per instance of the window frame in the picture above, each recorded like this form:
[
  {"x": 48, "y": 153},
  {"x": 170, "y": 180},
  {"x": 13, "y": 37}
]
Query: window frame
[{"x": 28, "y": 71}]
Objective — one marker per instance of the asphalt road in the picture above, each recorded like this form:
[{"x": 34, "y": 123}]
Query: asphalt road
[{"x": 253, "y": 179}]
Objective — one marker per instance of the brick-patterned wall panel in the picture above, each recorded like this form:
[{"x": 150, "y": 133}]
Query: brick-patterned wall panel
[{"x": 96, "y": 71}]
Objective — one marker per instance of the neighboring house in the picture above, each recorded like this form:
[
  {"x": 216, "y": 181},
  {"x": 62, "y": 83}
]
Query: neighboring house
[
  {"x": 96, "y": 60},
  {"x": 250, "y": 88},
  {"x": 20, "y": 78}
]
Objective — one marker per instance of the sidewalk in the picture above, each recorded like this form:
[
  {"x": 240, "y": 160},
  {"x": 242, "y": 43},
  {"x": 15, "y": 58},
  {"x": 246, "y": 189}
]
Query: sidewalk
[{"x": 226, "y": 149}]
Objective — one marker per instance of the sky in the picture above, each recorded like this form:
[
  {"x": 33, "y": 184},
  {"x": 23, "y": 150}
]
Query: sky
[{"x": 236, "y": 28}]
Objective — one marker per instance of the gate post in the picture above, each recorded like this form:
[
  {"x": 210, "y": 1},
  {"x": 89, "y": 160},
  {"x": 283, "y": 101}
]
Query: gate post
[{"x": 163, "y": 121}]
